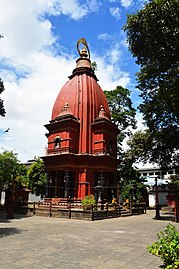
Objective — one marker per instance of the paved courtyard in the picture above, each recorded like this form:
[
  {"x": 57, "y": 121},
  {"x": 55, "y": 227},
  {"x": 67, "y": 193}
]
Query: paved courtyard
[{"x": 42, "y": 242}]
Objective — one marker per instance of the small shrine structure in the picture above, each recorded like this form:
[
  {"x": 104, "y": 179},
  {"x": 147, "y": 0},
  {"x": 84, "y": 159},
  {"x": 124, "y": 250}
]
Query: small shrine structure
[{"x": 81, "y": 157}]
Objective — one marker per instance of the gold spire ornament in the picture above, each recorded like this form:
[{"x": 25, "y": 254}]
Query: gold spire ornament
[{"x": 85, "y": 50}]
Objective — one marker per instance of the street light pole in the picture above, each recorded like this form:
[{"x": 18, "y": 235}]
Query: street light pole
[{"x": 157, "y": 213}]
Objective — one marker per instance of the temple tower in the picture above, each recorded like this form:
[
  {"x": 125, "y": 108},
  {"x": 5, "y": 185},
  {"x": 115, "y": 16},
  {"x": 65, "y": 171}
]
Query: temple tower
[{"x": 81, "y": 156}]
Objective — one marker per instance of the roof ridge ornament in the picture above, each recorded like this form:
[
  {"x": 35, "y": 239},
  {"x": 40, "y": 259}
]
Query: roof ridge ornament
[
  {"x": 85, "y": 50},
  {"x": 102, "y": 113}
]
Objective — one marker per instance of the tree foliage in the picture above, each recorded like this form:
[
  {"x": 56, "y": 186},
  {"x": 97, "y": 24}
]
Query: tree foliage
[
  {"x": 12, "y": 172},
  {"x": 130, "y": 180},
  {"x": 167, "y": 247},
  {"x": 139, "y": 146},
  {"x": 123, "y": 115},
  {"x": 146, "y": 146},
  {"x": 122, "y": 111},
  {"x": 153, "y": 37},
  {"x": 2, "y": 110},
  {"x": 37, "y": 177}
]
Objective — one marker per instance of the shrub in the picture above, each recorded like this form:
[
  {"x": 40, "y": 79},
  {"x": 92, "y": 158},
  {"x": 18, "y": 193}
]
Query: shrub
[
  {"x": 88, "y": 201},
  {"x": 167, "y": 247}
]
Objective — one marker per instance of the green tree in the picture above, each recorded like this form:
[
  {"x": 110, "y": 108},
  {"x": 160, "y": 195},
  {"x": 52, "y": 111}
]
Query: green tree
[
  {"x": 167, "y": 247},
  {"x": 153, "y": 38},
  {"x": 10, "y": 169},
  {"x": 2, "y": 110},
  {"x": 122, "y": 112},
  {"x": 37, "y": 177},
  {"x": 123, "y": 115},
  {"x": 146, "y": 146},
  {"x": 140, "y": 147},
  {"x": 130, "y": 180}
]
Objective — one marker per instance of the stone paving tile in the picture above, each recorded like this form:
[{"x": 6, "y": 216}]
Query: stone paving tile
[{"x": 49, "y": 243}]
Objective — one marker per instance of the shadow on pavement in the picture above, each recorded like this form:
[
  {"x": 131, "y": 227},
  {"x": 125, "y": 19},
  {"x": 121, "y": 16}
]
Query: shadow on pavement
[
  {"x": 167, "y": 216},
  {"x": 9, "y": 231},
  {"x": 3, "y": 216}
]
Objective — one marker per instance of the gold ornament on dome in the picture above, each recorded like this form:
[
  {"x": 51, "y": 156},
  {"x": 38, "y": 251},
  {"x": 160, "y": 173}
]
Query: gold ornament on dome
[{"x": 84, "y": 53}]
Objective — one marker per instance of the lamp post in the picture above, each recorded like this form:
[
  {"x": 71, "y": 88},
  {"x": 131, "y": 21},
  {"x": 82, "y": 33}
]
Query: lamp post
[{"x": 157, "y": 213}]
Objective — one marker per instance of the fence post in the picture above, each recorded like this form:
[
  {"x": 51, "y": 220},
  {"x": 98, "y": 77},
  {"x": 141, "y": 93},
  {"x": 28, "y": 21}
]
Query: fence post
[
  {"x": 107, "y": 210},
  {"x": 119, "y": 209},
  {"x": 138, "y": 208},
  {"x": 92, "y": 212},
  {"x": 50, "y": 209},
  {"x": 69, "y": 210},
  {"x": 145, "y": 207},
  {"x": 34, "y": 208},
  {"x": 176, "y": 211}
]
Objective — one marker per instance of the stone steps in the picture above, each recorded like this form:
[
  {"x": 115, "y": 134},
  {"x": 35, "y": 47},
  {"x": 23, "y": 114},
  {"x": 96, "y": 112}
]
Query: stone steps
[{"x": 125, "y": 212}]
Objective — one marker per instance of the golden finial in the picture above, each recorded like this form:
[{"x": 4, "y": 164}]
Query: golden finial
[{"x": 85, "y": 50}]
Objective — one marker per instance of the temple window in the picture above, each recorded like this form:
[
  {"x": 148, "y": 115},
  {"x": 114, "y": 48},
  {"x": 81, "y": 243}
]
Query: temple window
[{"x": 57, "y": 141}]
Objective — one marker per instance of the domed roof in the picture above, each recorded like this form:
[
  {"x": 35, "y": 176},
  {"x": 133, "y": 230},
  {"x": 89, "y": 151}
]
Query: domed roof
[
  {"x": 84, "y": 97},
  {"x": 82, "y": 93}
]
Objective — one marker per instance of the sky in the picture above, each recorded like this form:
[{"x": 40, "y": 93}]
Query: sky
[{"x": 38, "y": 53}]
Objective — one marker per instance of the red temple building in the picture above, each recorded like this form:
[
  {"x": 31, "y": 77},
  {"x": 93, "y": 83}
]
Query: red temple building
[{"x": 81, "y": 157}]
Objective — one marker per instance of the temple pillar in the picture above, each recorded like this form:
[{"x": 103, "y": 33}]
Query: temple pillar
[
  {"x": 47, "y": 185},
  {"x": 84, "y": 185},
  {"x": 67, "y": 183},
  {"x": 55, "y": 184}
]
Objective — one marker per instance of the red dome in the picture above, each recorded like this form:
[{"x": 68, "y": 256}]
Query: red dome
[{"x": 84, "y": 97}]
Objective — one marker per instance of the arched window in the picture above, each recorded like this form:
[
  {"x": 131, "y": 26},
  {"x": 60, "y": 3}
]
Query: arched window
[{"x": 57, "y": 141}]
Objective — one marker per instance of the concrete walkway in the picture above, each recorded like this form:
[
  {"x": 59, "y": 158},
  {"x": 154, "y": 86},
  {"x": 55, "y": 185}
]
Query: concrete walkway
[{"x": 42, "y": 242}]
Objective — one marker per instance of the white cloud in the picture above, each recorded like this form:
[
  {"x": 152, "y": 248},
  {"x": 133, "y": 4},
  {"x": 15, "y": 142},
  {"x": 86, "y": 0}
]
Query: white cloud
[
  {"x": 93, "y": 5},
  {"x": 126, "y": 3},
  {"x": 73, "y": 8},
  {"x": 140, "y": 126},
  {"x": 29, "y": 102},
  {"x": 24, "y": 31},
  {"x": 70, "y": 8},
  {"x": 115, "y": 54},
  {"x": 110, "y": 76},
  {"x": 124, "y": 43},
  {"x": 140, "y": 122},
  {"x": 115, "y": 12},
  {"x": 110, "y": 62},
  {"x": 32, "y": 75},
  {"x": 104, "y": 36}
]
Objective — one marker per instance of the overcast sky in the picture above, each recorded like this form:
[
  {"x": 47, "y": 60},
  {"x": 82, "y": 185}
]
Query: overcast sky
[{"x": 38, "y": 53}]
